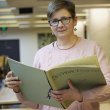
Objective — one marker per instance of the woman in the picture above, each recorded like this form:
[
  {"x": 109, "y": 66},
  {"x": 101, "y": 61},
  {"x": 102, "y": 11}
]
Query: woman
[{"x": 62, "y": 20}]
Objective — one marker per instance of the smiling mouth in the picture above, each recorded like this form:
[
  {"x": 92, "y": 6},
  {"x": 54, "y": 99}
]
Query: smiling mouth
[{"x": 61, "y": 30}]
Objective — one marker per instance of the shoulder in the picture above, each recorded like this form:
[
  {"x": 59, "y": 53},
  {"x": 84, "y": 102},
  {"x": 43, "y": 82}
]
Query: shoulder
[
  {"x": 94, "y": 47},
  {"x": 90, "y": 46},
  {"x": 42, "y": 54},
  {"x": 45, "y": 49},
  {"x": 89, "y": 43}
]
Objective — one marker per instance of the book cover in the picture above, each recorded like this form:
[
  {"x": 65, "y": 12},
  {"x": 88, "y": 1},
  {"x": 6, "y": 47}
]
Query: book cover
[{"x": 36, "y": 84}]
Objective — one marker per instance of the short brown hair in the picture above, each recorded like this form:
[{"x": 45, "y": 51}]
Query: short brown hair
[{"x": 56, "y": 5}]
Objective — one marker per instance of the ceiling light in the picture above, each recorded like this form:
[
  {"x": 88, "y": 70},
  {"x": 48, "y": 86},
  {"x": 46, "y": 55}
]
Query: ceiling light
[
  {"x": 7, "y": 17},
  {"x": 41, "y": 21},
  {"x": 41, "y": 16},
  {"x": 43, "y": 25},
  {"x": 24, "y": 16},
  {"x": 80, "y": 14},
  {"x": 93, "y": 5},
  {"x": 24, "y": 22},
  {"x": 8, "y": 21}
]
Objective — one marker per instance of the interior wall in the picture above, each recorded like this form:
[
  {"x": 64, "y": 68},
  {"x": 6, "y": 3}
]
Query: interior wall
[
  {"x": 28, "y": 43},
  {"x": 80, "y": 28},
  {"x": 98, "y": 28}
]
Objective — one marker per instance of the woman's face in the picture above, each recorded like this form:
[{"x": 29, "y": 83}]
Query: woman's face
[{"x": 64, "y": 28}]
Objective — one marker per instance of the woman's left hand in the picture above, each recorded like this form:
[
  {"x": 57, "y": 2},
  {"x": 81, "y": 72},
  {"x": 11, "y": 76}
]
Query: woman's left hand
[{"x": 71, "y": 94}]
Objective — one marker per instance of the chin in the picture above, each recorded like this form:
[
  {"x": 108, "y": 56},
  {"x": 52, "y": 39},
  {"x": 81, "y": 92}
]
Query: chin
[{"x": 62, "y": 34}]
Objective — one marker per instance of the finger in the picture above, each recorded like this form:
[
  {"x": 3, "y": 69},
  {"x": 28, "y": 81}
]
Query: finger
[
  {"x": 60, "y": 100},
  {"x": 12, "y": 86},
  {"x": 55, "y": 96},
  {"x": 70, "y": 84},
  {"x": 9, "y": 74},
  {"x": 11, "y": 79},
  {"x": 17, "y": 83},
  {"x": 56, "y": 92}
]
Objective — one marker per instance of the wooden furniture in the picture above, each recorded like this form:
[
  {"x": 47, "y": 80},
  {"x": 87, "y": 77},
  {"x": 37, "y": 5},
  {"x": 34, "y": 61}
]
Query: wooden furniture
[
  {"x": 3, "y": 66},
  {"x": 2, "y": 61}
]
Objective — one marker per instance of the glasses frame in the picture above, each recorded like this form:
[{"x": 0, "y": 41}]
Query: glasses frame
[{"x": 59, "y": 20}]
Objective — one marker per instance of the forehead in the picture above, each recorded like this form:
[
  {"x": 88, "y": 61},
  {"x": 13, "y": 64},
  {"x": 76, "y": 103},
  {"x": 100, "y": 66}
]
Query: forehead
[{"x": 60, "y": 13}]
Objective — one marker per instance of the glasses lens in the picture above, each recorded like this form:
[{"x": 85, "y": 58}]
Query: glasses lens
[
  {"x": 54, "y": 22},
  {"x": 65, "y": 20}
]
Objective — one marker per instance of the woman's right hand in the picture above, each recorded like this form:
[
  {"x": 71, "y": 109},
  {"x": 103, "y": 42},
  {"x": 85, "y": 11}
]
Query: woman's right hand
[{"x": 12, "y": 82}]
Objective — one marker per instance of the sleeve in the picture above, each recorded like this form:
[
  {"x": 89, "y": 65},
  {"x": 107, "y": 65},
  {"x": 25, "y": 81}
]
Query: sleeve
[
  {"x": 36, "y": 62},
  {"x": 101, "y": 93},
  {"x": 20, "y": 96}
]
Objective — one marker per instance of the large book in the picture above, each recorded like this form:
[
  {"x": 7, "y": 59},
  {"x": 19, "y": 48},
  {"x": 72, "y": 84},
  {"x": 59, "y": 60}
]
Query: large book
[{"x": 85, "y": 74}]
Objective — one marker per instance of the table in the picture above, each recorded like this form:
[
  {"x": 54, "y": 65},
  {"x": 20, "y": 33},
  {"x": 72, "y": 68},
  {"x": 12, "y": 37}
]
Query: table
[{"x": 7, "y": 97}]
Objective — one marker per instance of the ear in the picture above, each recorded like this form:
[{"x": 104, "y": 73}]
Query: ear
[{"x": 75, "y": 20}]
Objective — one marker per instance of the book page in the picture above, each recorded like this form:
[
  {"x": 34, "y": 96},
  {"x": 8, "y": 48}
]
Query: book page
[
  {"x": 90, "y": 60},
  {"x": 83, "y": 78},
  {"x": 84, "y": 71}
]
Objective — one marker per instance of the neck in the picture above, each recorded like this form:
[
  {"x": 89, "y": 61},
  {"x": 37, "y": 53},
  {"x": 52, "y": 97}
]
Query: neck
[{"x": 67, "y": 44}]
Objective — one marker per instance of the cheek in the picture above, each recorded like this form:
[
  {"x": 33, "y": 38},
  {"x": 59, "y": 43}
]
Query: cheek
[
  {"x": 71, "y": 27},
  {"x": 53, "y": 29}
]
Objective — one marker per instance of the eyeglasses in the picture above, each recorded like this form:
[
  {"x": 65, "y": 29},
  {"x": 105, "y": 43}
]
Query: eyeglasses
[{"x": 64, "y": 20}]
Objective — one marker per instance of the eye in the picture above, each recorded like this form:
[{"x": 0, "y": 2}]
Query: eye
[
  {"x": 65, "y": 20},
  {"x": 54, "y": 21}
]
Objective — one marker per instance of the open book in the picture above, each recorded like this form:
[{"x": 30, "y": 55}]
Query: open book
[{"x": 36, "y": 83}]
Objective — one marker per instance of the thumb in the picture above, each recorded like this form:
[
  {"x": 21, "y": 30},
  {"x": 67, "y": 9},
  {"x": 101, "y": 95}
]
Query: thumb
[
  {"x": 9, "y": 74},
  {"x": 70, "y": 84}
]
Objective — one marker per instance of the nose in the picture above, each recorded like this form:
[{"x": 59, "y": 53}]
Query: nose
[{"x": 60, "y": 24}]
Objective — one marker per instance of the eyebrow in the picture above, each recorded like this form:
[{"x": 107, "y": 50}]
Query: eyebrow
[{"x": 61, "y": 17}]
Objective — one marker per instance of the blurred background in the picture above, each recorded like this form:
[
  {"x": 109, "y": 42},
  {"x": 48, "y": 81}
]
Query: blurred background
[{"x": 24, "y": 28}]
